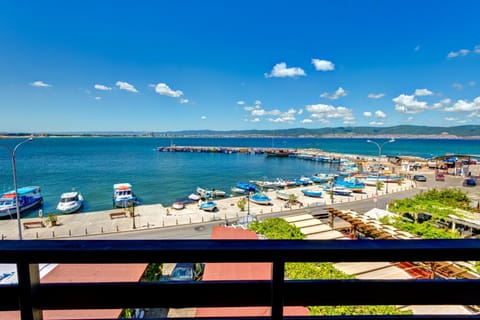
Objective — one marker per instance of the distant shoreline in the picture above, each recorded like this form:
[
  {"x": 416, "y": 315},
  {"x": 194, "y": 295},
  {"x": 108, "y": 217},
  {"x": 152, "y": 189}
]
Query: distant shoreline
[{"x": 167, "y": 136}]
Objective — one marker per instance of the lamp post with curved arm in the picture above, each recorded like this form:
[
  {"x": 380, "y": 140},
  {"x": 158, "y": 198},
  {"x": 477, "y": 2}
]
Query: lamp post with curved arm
[
  {"x": 379, "y": 146},
  {"x": 12, "y": 153}
]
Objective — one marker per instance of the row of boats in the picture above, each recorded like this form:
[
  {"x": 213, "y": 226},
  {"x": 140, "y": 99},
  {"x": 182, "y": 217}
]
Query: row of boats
[{"x": 30, "y": 197}]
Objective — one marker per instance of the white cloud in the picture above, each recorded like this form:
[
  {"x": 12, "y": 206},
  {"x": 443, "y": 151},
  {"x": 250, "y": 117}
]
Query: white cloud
[
  {"x": 126, "y": 86},
  {"x": 203, "y": 117},
  {"x": 240, "y": 102},
  {"x": 259, "y": 112},
  {"x": 340, "y": 92},
  {"x": 98, "y": 98},
  {"x": 465, "y": 106},
  {"x": 164, "y": 90},
  {"x": 307, "y": 121},
  {"x": 255, "y": 120},
  {"x": 408, "y": 104},
  {"x": 472, "y": 83},
  {"x": 423, "y": 92},
  {"x": 441, "y": 104},
  {"x": 409, "y": 119},
  {"x": 280, "y": 70},
  {"x": 380, "y": 114},
  {"x": 300, "y": 111},
  {"x": 323, "y": 65},
  {"x": 323, "y": 112},
  {"x": 376, "y": 123},
  {"x": 258, "y": 102},
  {"x": 450, "y": 119},
  {"x": 457, "y": 86},
  {"x": 367, "y": 114},
  {"x": 102, "y": 87},
  {"x": 477, "y": 49},
  {"x": 376, "y": 95},
  {"x": 40, "y": 84},
  {"x": 248, "y": 108},
  {"x": 461, "y": 52},
  {"x": 183, "y": 101}
]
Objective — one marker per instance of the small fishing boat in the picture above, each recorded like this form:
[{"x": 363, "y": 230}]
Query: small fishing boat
[
  {"x": 323, "y": 177},
  {"x": 70, "y": 202},
  {"x": 194, "y": 197},
  {"x": 316, "y": 193},
  {"x": 123, "y": 195},
  {"x": 208, "y": 205},
  {"x": 260, "y": 198},
  {"x": 236, "y": 190},
  {"x": 28, "y": 197},
  {"x": 248, "y": 187},
  {"x": 284, "y": 195},
  {"x": 178, "y": 205},
  {"x": 338, "y": 190},
  {"x": 204, "y": 193}
]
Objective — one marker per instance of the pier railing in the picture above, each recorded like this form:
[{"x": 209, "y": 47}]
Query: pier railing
[{"x": 31, "y": 296}]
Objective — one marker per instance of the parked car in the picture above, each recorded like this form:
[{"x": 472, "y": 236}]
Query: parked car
[
  {"x": 419, "y": 177},
  {"x": 469, "y": 182},
  {"x": 187, "y": 271},
  {"x": 440, "y": 177}
]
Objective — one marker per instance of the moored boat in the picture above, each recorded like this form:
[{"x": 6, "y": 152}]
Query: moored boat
[
  {"x": 70, "y": 202},
  {"x": 316, "y": 193},
  {"x": 208, "y": 205},
  {"x": 204, "y": 193},
  {"x": 338, "y": 190},
  {"x": 260, "y": 198},
  {"x": 194, "y": 197},
  {"x": 281, "y": 194},
  {"x": 178, "y": 205},
  {"x": 28, "y": 198},
  {"x": 123, "y": 195}
]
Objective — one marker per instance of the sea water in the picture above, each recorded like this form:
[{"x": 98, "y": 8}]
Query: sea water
[{"x": 92, "y": 165}]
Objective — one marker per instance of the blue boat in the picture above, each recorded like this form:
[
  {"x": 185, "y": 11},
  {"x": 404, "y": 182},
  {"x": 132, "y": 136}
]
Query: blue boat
[
  {"x": 260, "y": 198},
  {"x": 249, "y": 187},
  {"x": 208, "y": 206},
  {"x": 28, "y": 197},
  {"x": 316, "y": 193}
]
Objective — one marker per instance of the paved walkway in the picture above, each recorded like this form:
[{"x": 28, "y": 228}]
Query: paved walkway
[{"x": 158, "y": 216}]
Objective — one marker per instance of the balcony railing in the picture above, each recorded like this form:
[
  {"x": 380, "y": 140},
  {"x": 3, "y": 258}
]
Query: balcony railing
[{"x": 31, "y": 297}]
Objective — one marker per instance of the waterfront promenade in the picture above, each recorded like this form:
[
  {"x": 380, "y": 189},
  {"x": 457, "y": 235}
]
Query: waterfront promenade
[{"x": 158, "y": 216}]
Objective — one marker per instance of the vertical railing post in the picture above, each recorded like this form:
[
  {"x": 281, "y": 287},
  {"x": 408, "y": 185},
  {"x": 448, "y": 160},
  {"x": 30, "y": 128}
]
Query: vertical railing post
[
  {"x": 28, "y": 284},
  {"x": 278, "y": 278}
]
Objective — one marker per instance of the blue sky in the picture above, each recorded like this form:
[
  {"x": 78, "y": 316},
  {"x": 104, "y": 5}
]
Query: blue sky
[{"x": 234, "y": 65}]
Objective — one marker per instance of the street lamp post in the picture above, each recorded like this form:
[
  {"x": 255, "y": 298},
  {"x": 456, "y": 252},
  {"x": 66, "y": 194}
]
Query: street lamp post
[
  {"x": 12, "y": 153},
  {"x": 379, "y": 146}
]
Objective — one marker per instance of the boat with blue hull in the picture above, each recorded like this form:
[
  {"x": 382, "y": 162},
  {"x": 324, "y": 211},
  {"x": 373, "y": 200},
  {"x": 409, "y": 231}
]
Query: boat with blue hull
[
  {"x": 316, "y": 193},
  {"x": 208, "y": 205},
  {"x": 28, "y": 198},
  {"x": 260, "y": 198}
]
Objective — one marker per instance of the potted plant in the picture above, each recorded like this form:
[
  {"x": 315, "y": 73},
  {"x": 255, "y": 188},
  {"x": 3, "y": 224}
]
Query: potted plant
[
  {"x": 241, "y": 204},
  {"x": 52, "y": 219}
]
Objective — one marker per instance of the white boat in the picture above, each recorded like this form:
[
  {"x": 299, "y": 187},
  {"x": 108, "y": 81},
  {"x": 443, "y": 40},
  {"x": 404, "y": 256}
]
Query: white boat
[
  {"x": 323, "y": 177},
  {"x": 338, "y": 190},
  {"x": 208, "y": 206},
  {"x": 284, "y": 195},
  {"x": 204, "y": 193},
  {"x": 178, "y": 205},
  {"x": 260, "y": 198},
  {"x": 123, "y": 195},
  {"x": 236, "y": 190},
  {"x": 194, "y": 197},
  {"x": 70, "y": 202},
  {"x": 28, "y": 197}
]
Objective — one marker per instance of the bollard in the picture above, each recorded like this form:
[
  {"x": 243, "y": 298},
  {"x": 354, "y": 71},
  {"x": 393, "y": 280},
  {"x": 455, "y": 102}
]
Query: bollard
[
  {"x": 117, "y": 228},
  {"x": 202, "y": 218},
  {"x": 101, "y": 230},
  {"x": 177, "y": 222},
  {"x": 86, "y": 231},
  {"x": 37, "y": 235},
  {"x": 163, "y": 223},
  {"x": 190, "y": 218},
  {"x": 53, "y": 234},
  {"x": 69, "y": 233},
  {"x": 148, "y": 225}
]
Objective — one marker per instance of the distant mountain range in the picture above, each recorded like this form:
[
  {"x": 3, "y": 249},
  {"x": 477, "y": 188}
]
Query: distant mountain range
[{"x": 471, "y": 131}]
